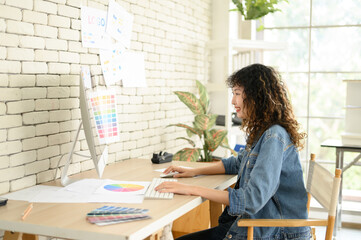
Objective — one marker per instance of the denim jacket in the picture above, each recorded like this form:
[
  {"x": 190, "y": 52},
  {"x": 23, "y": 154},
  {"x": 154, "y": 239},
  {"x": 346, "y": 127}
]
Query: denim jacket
[{"x": 270, "y": 186}]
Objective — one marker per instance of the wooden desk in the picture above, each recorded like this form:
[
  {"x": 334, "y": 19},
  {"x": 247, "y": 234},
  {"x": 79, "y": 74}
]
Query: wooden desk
[
  {"x": 67, "y": 220},
  {"x": 340, "y": 150}
]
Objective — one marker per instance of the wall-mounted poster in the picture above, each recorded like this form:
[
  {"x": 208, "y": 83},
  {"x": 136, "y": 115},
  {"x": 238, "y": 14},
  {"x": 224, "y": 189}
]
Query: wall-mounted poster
[
  {"x": 133, "y": 69},
  {"x": 85, "y": 75},
  {"x": 111, "y": 62},
  {"x": 93, "y": 26},
  {"x": 119, "y": 24}
]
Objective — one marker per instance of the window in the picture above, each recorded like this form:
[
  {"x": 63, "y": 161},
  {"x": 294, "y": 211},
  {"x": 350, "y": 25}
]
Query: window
[{"x": 323, "y": 49}]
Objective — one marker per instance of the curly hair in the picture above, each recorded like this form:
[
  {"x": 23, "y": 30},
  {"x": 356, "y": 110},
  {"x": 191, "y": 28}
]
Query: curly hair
[{"x": 267, "y": 103}]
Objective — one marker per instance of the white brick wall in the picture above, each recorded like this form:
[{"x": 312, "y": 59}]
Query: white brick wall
[{"x": 40, "y": 58}]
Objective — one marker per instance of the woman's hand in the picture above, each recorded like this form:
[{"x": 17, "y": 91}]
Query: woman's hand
[
  {"x": 174, "y": 187},
  {"x": 182, "y": 172}
]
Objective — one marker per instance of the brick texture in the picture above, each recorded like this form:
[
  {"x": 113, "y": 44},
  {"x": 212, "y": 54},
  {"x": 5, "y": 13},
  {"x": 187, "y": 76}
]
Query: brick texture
[{"x": 41, "y": 54}]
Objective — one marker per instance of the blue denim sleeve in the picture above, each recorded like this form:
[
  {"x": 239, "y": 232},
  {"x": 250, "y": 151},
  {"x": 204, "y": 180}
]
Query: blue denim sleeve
[
  {"x": 263, "y": 179},
  {"x": 231, "y": 164}
]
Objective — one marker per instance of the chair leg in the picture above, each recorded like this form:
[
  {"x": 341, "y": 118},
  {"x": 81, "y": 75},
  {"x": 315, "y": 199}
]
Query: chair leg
[
  {"x": 250, "y": 233},
  {"x": 313, "y": 233},
  {"x": 330, "y": 226}
]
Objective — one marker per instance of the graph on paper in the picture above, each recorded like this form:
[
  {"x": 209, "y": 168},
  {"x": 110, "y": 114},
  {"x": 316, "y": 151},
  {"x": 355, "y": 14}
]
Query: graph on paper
[
  {"x": 103, "y": 105},
  {"x": 123, "y": 187}
]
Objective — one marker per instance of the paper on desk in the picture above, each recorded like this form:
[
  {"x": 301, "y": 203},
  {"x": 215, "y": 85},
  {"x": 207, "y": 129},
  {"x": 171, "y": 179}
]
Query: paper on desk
[
  {"x": 51, "y": 194},
  {"x": 28, "y": 194}
]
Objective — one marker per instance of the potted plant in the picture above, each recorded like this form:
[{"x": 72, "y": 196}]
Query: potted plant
[
  {"x": 210, "y": 138},
  {"x": 255, "y": 9}
]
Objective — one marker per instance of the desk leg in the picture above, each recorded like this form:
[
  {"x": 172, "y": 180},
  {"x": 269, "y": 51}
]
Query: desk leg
[
  {"x": 215, "y": 210},
  {"x": 155, "y": 236},
  {"x": 339, "y": 164},
  {"x": 19, "y": 236}
]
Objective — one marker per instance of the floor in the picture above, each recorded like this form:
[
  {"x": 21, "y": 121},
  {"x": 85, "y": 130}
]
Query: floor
[{"x": 342, "y": 234}]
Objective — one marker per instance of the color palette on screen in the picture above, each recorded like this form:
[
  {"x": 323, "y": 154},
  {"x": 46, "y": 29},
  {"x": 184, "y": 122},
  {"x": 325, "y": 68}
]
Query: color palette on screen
[
  {"x": 105, "y": 116},
  {"x": 123, "y": 187}
]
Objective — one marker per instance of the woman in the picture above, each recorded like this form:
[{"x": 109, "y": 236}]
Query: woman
[{"x": 270, "y": 180}]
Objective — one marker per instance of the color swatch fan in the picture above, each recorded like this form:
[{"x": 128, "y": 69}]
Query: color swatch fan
[
  {"x": 110, "y": 215},
  {"x": 103, "y": 104}
]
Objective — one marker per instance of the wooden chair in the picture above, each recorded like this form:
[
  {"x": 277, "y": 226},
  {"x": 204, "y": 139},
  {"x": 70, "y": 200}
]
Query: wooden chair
[{"x": 323, "y": 186}]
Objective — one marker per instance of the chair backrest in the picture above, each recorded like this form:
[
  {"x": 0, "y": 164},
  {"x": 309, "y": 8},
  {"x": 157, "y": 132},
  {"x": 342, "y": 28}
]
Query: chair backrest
[{"x": 324, "y": 187}]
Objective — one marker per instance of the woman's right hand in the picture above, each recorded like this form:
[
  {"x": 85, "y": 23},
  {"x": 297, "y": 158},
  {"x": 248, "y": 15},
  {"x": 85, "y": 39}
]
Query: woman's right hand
[{"x": 182, "y": 172}]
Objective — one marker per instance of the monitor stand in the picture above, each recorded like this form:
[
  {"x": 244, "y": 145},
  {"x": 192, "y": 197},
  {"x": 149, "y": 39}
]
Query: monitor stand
[{"x": 99, "y": 165}]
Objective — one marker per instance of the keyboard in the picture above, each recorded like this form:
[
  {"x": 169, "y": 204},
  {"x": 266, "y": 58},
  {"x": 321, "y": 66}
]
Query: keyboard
[{"x": 153, "y": 194}]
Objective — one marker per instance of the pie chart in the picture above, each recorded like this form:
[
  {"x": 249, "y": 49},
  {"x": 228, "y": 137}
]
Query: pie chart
[{"x": 123, "y": 187}]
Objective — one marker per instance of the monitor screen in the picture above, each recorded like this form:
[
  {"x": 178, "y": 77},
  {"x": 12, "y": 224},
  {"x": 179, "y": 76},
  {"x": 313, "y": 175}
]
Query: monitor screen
[{"x": 99, "y": 122}]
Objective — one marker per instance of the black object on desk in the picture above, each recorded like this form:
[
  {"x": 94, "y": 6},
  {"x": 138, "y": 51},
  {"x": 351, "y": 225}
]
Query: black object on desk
[
  {"x": 162, "y": 157},
  {"x": 3, "y": 201}
]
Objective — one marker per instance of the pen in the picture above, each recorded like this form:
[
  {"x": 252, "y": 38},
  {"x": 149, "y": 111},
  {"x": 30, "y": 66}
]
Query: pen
[{"x": 27, "y": 211}]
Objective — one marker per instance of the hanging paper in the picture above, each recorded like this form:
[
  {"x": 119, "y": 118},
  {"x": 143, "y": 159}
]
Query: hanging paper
[
  {"x": 119, "y": 23},
  {"x": 111, "y": 62},
  {"x": 104, "y": 107},
  {"x": 133, "y": 70},
  {"x": 93, "y": 25},
  {"x": 85, "y": 75}
]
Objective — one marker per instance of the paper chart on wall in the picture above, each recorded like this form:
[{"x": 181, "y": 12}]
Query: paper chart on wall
[
  {"x": 93, "y": 26},
  {"x": 133, "y": 70},
  {"x": 111, "y": 62},
  {"x": 85, "y": 75},
  {"x": 104, "y": 107},
  {"x": 118, "y": 188},
  {"x": 119, "y": 23}
]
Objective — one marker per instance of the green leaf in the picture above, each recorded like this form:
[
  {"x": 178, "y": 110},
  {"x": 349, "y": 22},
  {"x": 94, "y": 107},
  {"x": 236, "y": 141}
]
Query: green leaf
[
  {"x": 255, "y": 9},
  {"x": 205, "y": 122},
  {"x": 188, "y": 154},
  {"x": 239, "y": 6},
  {"x": 176, "y": 156},
  {"x": 203, "y": 96},
  {"x": 188, "y": 140},
  {"x": 214, "y": 138},
  {"x": 225, "y": 144},
  {"x": 191, "y": 101},
  {"x": 190, "y": 131}
]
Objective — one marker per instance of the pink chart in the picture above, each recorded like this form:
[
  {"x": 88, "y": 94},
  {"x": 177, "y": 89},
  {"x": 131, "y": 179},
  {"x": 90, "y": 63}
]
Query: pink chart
[{"x": 123, "y": 187}]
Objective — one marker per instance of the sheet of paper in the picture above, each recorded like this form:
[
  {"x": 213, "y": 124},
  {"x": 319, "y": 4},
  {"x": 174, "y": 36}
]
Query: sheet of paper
[
  {"x": 85, "y": 76},
  {"x": 111, "y": 61},
  {"x": 61, "y": 196},
  {"x": 93, "y": 26},
  {"x": 121, "y": 188},
  {"x": 78, "y": 192},
  {"x": 85, "y": 186},
  {"x": 119, "y": 23},
  {"x": 30, "y": 193},
  {"x": 133, "y": 70}
]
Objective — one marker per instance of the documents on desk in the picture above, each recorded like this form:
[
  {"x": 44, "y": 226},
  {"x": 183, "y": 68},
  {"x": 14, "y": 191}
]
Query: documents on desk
[{"x": 83, "y": 191}]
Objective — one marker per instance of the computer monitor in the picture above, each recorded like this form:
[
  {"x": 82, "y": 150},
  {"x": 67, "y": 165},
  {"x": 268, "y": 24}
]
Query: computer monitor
[{"x": 98, "y": 151}]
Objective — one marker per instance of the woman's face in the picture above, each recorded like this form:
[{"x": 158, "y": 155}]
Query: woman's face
[{"x": 237, "y": 101}]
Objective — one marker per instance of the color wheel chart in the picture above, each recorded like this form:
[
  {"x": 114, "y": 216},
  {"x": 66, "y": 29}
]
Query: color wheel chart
[
  {"x": 123, "y": 187},
  {"x": 103, "y": 104}
]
